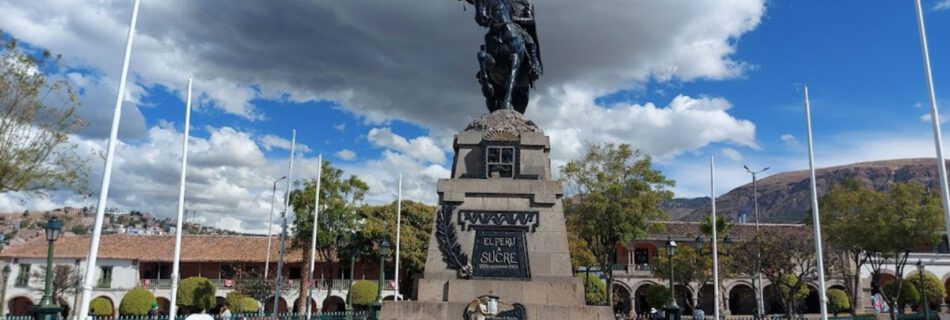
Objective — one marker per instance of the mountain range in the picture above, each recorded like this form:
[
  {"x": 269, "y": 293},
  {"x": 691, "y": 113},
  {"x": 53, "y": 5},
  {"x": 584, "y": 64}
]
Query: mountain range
[{"x": 786, "y": 197}]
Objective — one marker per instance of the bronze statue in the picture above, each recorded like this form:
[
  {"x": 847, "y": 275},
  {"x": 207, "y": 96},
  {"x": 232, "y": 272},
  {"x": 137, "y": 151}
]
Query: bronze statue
[{"x": 510, "y": 59}]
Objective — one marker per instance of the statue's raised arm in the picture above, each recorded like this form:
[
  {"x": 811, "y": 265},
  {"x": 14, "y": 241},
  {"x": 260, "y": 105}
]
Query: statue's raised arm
[{"x": 510, "y": 58}]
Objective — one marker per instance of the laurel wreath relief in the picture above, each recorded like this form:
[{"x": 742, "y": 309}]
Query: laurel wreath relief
[{"x": 451, "y": 250}]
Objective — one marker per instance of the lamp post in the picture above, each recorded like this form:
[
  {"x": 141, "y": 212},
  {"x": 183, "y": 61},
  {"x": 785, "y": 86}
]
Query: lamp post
[
  {"x": 270, "y": 226},
  {"x": 349, "y": 292},
  {"x": 672, "y": 310},
  {"x": 48, "y": 310},
  {"x": 3, "y": 294},
  {"x": 760, "y": 302},
  {"x": 383, "y": 252},
  {"x": 923, "y": 291}
]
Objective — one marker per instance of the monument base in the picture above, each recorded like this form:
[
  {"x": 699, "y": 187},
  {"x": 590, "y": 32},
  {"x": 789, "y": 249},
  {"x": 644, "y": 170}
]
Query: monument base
[{"x": 429, "y": 310}]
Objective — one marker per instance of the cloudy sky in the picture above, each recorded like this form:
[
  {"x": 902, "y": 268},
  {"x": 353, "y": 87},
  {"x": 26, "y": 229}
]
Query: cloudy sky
[{"x": 380, "y": 87}]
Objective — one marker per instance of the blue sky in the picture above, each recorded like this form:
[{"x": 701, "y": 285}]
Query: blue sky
[{"x": 380, "y": 89}]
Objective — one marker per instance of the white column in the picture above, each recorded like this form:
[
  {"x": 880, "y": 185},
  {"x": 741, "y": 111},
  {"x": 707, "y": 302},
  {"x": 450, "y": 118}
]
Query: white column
[
  {"x": 815, "y": 220},
  {"x": 398, "y": 232},
  {"x": 173, "y": 307},
  {"x": 313, "y": 237}
]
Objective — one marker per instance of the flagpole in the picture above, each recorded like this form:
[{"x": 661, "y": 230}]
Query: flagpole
[
  {"x": 173, "y": 307},
  {"x": 823, "y": 300},
  {"x": 934, "y": 119},
  {"x": 283, "y": 228},
  {"x": 313, "y": 238},
  {"x": 398, "y": 232},
  {"x": 715, "y": 240},
  {"x": 107, "y": 172}
]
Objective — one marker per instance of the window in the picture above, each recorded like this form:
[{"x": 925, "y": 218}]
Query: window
[
  {"x": 23, "y": 277},
  {"x": 500, "y": 161},
  {"x": 105, "y": 277},
  {"x": 293, "y": 273}
]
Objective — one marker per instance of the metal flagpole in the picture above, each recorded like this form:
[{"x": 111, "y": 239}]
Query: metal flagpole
[
  {"x": 283, "y": 228},
  {"x": 398, "y": 231},
  {"x": 313, "y": 238},
  {"x": 935, "y": 119},
  {"x": 270, "y": 227},
  {"x": 715, "y": 240},
  {"x": 823, "y": 300},
  {"x": 173, "y": 307},
  {"x": 107, "y": 173}
]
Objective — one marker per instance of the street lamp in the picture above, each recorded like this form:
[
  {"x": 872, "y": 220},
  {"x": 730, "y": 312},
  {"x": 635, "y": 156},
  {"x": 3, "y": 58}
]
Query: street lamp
[
  {"x": 270, "y": 226},
  {"x": 672, "y": 310},
  {"x": 760, "y": 302},
  {"x": 3, "y": 294},
  {"x": 700, "y": 242},
  {"x": 48, "y": 310},
  {"x": 349, "y": 293},
  {"x": 923, "y": 291},
  {"x": 383, "y": 252}
]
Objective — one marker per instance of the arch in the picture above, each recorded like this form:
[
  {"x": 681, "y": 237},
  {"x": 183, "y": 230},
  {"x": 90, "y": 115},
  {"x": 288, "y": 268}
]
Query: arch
[
  {"x": 707, "y": 298},
  {"x": 742, "y": 299},
  {"x": 640, "y": 304},
  {"x": 334, "y": 303},
  {"x": 623, "y": 303},
  {"x": 773, "y": 304},
  {"x": 20, "y": 306},
  {"x": 313, "y": 305},
  {"x": 281, "y": 305},
  {"x": 163, "y": 304},
  {"x": 812, "y": 303},
  {"x": 684, "y": 298}
]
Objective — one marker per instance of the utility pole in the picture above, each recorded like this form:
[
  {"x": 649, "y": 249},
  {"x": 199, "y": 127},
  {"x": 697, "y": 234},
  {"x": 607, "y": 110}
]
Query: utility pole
[{"x": 760, "y": 303}]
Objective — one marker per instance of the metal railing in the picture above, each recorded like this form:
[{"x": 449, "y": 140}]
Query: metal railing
[
  {"x": 322, "y": 284},
  {"x": 332, "y": 315}
]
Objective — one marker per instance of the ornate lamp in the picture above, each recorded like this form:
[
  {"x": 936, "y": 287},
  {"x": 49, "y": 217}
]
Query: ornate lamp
[
  {"x": 383, "y": 252},
  {"x": 924, "y": 304},
  {"x": 48, "y": 310},
  {"x": 700, "y": 241},
  {"x": 672, "y": 310}
]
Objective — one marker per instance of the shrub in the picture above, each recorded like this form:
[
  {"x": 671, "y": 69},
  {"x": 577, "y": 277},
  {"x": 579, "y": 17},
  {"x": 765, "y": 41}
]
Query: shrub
[
  {"x": 658, "y": 296},
  {"x": 596, "y": 290},
  {"x": 838, "y": 301},
  {"x": 196, "y": 293},
  {"x": 363, "y": 293},
  {"x": 80, "y": 229},
  {"x": 241, "y": 303},
  {"x": 908, "y": 294},
  {"x": 136, "y": 302},
  {"x": 936, "y": 292},
  {"x": 101, "y": 307}
]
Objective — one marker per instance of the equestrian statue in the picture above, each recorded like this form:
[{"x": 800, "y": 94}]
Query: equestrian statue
[{"x": 510, "y": 58}]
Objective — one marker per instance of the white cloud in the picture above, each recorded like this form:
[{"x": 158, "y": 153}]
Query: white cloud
[
  {"x": 571, "y": 119},
  {"x": 269, "y": 142},
  {"x": 732, "y": 154},
  {"x": 340, "y": 126},
  {"x": 927, "y": 118},
  {"x": 346, "y": 154},
  {"x": 942, "y": 5},
  {"x": 420, "y": 148},
  {"x": 789, "y": 140}
]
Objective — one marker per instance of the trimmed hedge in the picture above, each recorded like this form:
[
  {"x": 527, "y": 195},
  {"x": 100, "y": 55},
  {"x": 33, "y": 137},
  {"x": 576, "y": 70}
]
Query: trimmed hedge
[
  {"x": 196, "y": 293},
  {"x": 838, "y": 300},
  {"x": 136, "y": 302},
  {"x": 101, "y": 307},
  {"x": 596, "y": 290},
  {"x": 363, "y": 293},
  {"x": 240, "y": 303}
]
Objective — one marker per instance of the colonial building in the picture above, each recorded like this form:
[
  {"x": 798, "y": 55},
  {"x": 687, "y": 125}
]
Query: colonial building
[
  {"x": 633, "y": 272},
  {"x": 129, "y": 261}
]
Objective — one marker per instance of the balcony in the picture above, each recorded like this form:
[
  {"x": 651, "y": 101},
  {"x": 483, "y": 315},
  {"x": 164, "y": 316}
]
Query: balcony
[
  {"x": 336, "y": 284},
  {"x": 637, "y": 270}
]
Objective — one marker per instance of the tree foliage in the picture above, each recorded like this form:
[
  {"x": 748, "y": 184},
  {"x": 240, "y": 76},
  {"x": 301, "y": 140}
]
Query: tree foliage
[
  {"x": 846, "y": 209},
  {"x": 936, "y": 292},
  {"x": 136, "y": 302},
  {"x": 417, "y": 218},
  {"x": 901, "y": 293},
  {"x": 38, "y": 114},
  {"x": 339, "y": 200},
  {"x": 241, "y": 303},
  {"x": 596, "y": 290},
  {"x": 251, "y": 283},
  {"x": 785, "y": 258},
  {"x": 101, "y": 307},
  {"x": 658, "y": 296},
  {"x": 196, "y": 293},
  {"x": 363, "y": 293},
  {"x": 616, "y": 195},
  {"x": 838, "y": 300}
]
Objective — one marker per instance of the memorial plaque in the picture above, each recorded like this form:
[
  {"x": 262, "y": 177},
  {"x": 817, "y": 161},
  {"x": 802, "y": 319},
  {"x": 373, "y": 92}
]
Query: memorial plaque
[{"x": 500, "y": 254}]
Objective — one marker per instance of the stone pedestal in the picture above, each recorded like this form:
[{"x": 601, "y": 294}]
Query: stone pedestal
[{"x": 499, "y": 231}]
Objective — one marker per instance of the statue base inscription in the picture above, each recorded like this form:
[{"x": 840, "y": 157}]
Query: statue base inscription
[{"x": 499, "y": 235}]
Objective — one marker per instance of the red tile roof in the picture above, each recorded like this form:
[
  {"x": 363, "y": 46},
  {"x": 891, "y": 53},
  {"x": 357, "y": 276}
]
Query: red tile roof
[{"x": 194, "y": 248}]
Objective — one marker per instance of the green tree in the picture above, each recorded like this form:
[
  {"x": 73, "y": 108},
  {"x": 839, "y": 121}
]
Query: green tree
[
  {"x": 907, "y": 295},
  {"x": 363, "y": 293},
  {"x": 101, "y": 307},
  {"x": 596, "y": 290},
  {"x": 136, "y": 302},
  {"x": 846, "y": 210},
  {"x": 658, "y": 296},
  {"x": 616, "y": 195},
  {"x": 241, "y": 303},
  {"x": 693, "y": 266},
  {"x": 936, "y": 292},
  {"x": 910, "y": 217},
  {"x": 39, "y": 113},
  {"x": 339, "y": 201},
  {"x": 196, "y": 293},
  {"x": 786, "y": 257},
  {"x": 79, "y": 229},
  {"x": 251, "y": 283},
  {"x": 838, "y": 300},
  {"x": 791, "y": 291},
  {"x": 66, "y": 281},
  {"x": 417, "y": 218}
]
